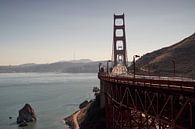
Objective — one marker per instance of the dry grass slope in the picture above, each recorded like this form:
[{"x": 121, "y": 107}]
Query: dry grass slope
[{"x": 161, "y": 61}]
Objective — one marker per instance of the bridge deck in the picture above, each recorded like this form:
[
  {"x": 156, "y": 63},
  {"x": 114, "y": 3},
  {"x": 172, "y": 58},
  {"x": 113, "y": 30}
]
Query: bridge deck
[{"x": 167, "y": 83}]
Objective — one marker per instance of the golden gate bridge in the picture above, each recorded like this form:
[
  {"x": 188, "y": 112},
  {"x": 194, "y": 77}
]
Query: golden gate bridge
[{"x": 143, "y": 102}]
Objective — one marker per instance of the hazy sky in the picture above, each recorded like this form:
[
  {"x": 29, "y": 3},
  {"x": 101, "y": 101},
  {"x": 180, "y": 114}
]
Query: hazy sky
[{"x": 44, "y": 31}]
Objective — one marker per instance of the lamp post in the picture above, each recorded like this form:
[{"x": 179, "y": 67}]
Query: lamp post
[
  {"x": 173, "y": 61},
  {"x": 148, "y": 69},
  {"x": 100, "y": 66},
  {"x": 134, "y": 57},
  {"x": 108, "y": 65}
]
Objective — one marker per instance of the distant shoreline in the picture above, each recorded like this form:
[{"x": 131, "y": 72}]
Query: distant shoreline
[
  {"x": 57, "y": 67},
  {"x": 49, "y": 72}
]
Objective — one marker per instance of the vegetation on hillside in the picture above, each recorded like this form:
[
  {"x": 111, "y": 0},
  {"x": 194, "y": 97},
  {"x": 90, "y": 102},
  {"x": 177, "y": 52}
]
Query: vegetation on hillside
[{"x": 162, "y": 61}]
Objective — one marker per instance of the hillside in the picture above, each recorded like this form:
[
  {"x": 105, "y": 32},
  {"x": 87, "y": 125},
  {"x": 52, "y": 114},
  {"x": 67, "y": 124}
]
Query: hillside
[
  {"x": 76, "y": 66},
  {"x": 162, "y": 61}
]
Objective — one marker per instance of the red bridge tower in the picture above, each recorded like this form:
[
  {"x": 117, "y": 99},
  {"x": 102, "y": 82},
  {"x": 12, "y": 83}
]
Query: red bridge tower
[{"x": 119, "y": 41}]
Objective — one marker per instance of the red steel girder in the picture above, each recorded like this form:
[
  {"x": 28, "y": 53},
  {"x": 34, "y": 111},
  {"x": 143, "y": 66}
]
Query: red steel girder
[{"x": 130, "y": 106}]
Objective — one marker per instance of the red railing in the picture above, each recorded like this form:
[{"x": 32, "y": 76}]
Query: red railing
[{"x": 170, "y": 83}]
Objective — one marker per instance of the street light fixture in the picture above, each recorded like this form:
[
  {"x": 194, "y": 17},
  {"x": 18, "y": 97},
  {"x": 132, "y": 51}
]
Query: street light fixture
[{"x": 134, "y": 57}]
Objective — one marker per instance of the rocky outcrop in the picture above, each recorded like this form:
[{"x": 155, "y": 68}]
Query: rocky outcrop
[
  {"x": 83, "y": 104},
  {"x": 26, "y": 114},
  {"x": 89, "y": 117},
  {"x": 78, "y": 116},
  {"x": 95, "y": 116}
]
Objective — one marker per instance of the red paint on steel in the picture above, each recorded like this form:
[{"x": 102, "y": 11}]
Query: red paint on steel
[{"x": 147, "y": 103}]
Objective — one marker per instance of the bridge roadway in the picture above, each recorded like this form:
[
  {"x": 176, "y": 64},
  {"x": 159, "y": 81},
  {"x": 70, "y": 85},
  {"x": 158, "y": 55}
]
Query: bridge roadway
[
  {"x": 148, "y": 102},
  {"x": 160, "y": 82}
]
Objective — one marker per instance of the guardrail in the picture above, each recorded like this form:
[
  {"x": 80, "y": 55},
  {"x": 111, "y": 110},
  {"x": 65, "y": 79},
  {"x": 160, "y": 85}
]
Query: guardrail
[{"x": 170, "y": 83}]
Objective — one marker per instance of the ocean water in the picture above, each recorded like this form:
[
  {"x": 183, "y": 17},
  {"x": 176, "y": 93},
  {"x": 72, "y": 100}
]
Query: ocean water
[{"x": 53, "y": 96}]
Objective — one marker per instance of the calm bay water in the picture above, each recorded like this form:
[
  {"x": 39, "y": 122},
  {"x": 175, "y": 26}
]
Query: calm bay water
[{"x": 53, "y": 96}]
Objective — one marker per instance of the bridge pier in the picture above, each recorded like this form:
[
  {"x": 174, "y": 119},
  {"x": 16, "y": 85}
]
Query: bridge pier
[{"x": 102, "y": 94}]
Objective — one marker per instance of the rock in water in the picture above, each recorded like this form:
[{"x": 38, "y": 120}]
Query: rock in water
[
  {"x": 26, "y": 114},
  {"x": 23, "y": 124}
]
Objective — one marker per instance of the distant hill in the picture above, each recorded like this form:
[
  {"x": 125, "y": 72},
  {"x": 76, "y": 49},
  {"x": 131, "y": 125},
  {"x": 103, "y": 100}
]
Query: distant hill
[
  {"x": 75, "y": 66},
  {"x": 161, "y": 61},
  {"x": 81, "y": 61}
]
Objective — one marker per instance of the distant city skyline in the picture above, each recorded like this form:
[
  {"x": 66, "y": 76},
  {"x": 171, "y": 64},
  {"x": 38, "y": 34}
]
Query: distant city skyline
[{"x": 46, "y": 31}]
